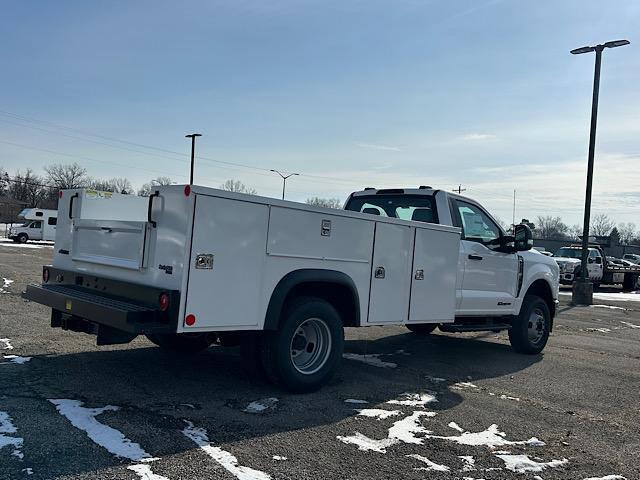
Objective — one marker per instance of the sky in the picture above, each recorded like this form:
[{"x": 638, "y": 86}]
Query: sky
[{"x": 350, "y": 94}]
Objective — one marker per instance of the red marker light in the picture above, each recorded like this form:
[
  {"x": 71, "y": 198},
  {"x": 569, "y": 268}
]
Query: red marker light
[
  {"x": 187, "y": 190},
  {"x": 163, "y": 301},
  {"x": 45, "y": 275},
  {"x": 190, "y": 320}
]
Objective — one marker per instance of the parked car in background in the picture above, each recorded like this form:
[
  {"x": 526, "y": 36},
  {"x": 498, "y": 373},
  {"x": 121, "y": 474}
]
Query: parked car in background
[{"x": 632, "y": 257}]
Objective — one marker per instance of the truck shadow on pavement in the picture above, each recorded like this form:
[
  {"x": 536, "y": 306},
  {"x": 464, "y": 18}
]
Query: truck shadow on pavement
[{"x": 157, "y": 392}]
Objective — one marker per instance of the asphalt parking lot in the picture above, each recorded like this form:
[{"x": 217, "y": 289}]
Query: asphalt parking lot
[{"x": 443, "y": 406}]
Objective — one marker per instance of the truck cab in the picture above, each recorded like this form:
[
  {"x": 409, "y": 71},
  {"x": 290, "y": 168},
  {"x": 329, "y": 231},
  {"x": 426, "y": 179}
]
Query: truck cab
[{"x": 40, "y": 224}]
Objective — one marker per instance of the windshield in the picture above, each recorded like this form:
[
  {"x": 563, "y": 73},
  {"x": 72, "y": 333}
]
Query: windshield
[
  {"x": 568, "y": 252},
  {"x": 406, "y": 207}
]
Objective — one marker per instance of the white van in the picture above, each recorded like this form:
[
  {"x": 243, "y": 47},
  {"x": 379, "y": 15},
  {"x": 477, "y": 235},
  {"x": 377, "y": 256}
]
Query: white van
[{"x": 40, "y": 224}]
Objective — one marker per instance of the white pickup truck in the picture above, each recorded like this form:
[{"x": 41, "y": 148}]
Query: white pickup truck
[{"x": 189, "y": 266}]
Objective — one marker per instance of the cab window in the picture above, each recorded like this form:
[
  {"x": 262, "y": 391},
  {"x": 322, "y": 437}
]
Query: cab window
[
  {"x": 475, "y": 224},
  {"x": 37, "y": 224},
  {"x": 406, "y": 207},
  {"x": 52, "y": 221}
]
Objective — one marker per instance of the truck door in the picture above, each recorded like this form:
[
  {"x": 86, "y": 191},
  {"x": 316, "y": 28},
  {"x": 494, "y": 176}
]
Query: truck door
[
  {"x": 390, "y": 274},
  {"x": 489, "y": 281},
  {"x": 433, "y": 277},
  {"x": 35, "y": 230}
]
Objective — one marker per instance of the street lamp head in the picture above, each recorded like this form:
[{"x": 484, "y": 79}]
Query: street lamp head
[
  {"x": 191, "y": 135},
  {"x": 578, "y": 51},
  {"x": 617, "y": 43}
]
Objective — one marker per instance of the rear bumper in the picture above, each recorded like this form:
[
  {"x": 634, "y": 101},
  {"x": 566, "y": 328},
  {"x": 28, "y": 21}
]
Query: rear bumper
[{"x": 75, "y": 298}]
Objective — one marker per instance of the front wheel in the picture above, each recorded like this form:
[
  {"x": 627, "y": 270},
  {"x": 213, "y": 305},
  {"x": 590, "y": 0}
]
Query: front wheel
[
  {"x": 422, "y": 328},
  {"x": 23, "y": 237},
  {"x": 306, "y": 350},
  {"x": 530, "y": 330},
  {"x": 183, "y": 343}
]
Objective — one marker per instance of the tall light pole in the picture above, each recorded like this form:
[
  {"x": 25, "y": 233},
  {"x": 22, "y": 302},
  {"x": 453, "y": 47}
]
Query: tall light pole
[
  {"x": 284, "y": 179},
  {"x": 192, "y": 136},
  {"x": 583, "y": 288}
]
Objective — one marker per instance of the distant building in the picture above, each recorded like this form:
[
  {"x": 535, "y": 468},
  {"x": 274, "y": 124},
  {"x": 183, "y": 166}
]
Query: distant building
[{"x": 10, "y": 208}]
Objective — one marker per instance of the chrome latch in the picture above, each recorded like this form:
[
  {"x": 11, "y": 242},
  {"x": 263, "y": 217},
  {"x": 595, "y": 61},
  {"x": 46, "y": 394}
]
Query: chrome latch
[
  {"x": 325, "y": 229},
  {"x": 204, "y": 261},
  {"x": 419, "y": 274},
  {"x": 379, "y": 272}
]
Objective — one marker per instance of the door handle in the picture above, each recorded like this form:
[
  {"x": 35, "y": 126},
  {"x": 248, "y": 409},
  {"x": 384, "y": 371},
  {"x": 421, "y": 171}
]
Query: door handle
[{"x": 474, "y": 257}]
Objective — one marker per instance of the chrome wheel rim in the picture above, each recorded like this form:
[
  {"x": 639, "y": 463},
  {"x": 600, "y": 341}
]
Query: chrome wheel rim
[
  {"x": 536, "y": 326},
  {"x": 310, "y": 346}
]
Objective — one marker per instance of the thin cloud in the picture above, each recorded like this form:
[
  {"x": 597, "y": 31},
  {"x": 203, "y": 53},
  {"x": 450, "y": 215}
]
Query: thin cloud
[
  {"x": 473, "y": 137},
  {"x": 374, "y": 146}
]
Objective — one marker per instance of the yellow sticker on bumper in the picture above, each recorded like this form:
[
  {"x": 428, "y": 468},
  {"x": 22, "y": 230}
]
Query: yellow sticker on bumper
[{"x": 68, "y": 305}]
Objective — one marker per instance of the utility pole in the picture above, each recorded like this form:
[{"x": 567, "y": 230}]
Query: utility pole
[
  {"x": 284, "y": 179},
  {"x": 192, "y": 136},
  {"x": 513, "y": 222},
  {"x": 583, "y": 288},
  {"x": 459, "y": 189}
]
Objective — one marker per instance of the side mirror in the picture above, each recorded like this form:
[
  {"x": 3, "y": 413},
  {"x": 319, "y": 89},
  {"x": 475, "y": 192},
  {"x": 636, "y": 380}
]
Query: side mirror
[
  {"x": 589, "y": 260},
  {"x": 523, "y": 238}
]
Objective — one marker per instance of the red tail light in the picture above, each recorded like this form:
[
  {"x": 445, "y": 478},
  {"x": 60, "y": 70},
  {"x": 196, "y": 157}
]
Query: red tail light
[
  {"x": 163, "y": 301},
  {"x": 187, "y": 190},
  {"x": 45, "y": 275},
  {"x": 190, "y": 319}
]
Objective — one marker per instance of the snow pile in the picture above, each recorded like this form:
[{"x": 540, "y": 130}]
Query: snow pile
[
  {"x": 356, "y": 401},
  {"x": 144, "y": 472},
  {"x": 431, "y": 466},
  {"x": 629, "y": 324},
  {"x": 523, "y": 464},
  {"x": 7, "y": 427},
  {"x": 507, "y": 397},
  {"x": 491, "y": 437},
  {"x": 6, "y": 242},
  {"x": 109, "y": 438},
  {"x": 455, "y": 426},
  {"x": 414, "y": 400},
  {"x": 461, "y": 385},
  {"x": 280, "y": 458},
  {"x": 223, "y": 458},
  {"x": 259, "y": 406},
  {"x": 5, "y": 344},
  {"x": 370, "y": 359},
  {"x": 610, "y": 307}
]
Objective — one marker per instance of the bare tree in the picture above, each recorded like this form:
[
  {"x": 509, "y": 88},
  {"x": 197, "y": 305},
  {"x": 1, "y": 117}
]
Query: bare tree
[
  {"x": 325, "y": 202},
  {"x": 232, "y": 185},
  {"x": 627, "y": 232},
  {"x": 549, "y": 227},
  {"x": 146, "y": 189},
  {"x": 118, "y": 185},
  {"x": 27, "y": 187},
  {"x": 574, "y": 232},
  {"x": 601, "y": 225},
  {"x": 4, "y": 181},
  {"x": 63, "y": 176}
]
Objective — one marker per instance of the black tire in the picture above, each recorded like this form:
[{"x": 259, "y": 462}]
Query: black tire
[
  {"x": 22, "y": 238},
  {"x": 629, "y": 283},
  {"x": 182, "y": 343},
  {"x": 422, "y": 328},
  {"x": 534, "y": 317},
  {"x": 283, "y": 362}
]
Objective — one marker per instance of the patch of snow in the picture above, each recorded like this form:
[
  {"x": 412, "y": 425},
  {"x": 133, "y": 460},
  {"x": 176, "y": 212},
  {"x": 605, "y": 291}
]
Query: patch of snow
[
  {"x": 109, "y": 438},
  {"x": 414, "y": 400},
  {"x": 5, "y": 344},
  {"x": 259, "y": 406},
  {"x": 370, "y": 359},
  {"x": 7, "y": 427},
  {"x": 6, "y": 242},
  {"x": 354, "y": 400},
  {"x": 188, "y": 405},
  {"x": 16, "y": 359},
  {"x": 28, "y": 470},
  {"x": 468, "y": 463},
  {"x": 629, "y": 324},
  {"x": 222, "y": 457},
  {"x": 455, "y": 426},
  {"x": 378, "y": 413},
  {"x": 523, "y": 464},
  {"x": 367, "y": 444},
  {"x": 461, "y": 385},
  {"x": 405, "y": 430},
  {"x": 608, "y": 477},
  {"x": 280, "y": 458},
  {"x": 507, "y": 397},
  {"x": 431, "y": 466},
  {"x": 436, "y": 379},
  {"x": 144, "y": 472},
  {"x": 491, "y": 437},
  {"x": 610, "y": 307},
  {"x": 6, "y": 283},
  {"x": 601, "y": 330}
]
